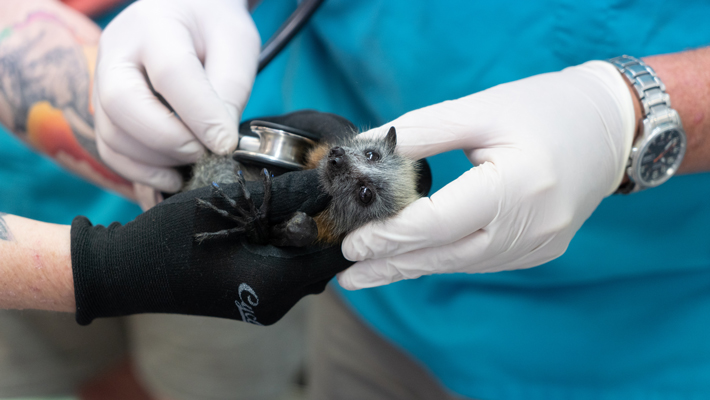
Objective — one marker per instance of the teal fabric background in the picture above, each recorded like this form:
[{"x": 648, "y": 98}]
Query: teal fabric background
[{"x": 625, "y": 313}]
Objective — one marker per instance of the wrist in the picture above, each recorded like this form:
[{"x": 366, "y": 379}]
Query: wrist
[
  {"x": 113, "y": 274},
  {"x": 660, "y": 147},
  {"x": 35, "y": 265}
]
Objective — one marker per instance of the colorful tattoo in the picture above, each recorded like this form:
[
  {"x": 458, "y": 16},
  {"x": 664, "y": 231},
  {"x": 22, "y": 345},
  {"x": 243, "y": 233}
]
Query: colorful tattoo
[
  {"x": 45, "y": 85},
  {"x": 5, "y": 233}
]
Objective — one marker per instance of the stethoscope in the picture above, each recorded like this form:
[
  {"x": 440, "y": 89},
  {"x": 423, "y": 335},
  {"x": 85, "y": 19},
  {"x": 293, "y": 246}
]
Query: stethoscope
[{"x": 274, "y": 144}]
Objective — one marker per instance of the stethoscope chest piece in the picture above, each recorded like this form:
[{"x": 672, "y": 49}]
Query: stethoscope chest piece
[{"x": 276, "y": 145}]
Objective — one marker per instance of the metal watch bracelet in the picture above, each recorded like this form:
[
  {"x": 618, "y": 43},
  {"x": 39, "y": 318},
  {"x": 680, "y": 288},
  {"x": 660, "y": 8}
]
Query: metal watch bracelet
[{"x": 655, "y": 102}]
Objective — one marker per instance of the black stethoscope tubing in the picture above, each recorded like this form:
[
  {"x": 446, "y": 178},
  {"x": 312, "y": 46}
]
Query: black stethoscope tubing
[{"x": 287, "y": 31}]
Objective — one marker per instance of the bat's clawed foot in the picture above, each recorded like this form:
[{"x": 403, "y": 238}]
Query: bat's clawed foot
[{"x": 249, "y": 220}]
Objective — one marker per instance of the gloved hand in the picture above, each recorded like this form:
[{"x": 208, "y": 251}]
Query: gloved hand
[
  {"x": 546, "y": 150},
  {"x": 154, "y": 264},
  {"x": 201, "y": 56}
]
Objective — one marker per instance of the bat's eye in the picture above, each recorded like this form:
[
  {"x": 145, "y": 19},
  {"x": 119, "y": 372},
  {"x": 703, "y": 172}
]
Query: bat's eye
[
  {"x": 372, "y": 155},
  {"x": 366, "y": 195}
]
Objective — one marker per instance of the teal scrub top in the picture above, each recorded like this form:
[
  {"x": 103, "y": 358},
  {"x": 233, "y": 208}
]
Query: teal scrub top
[
  {"x": 625, "y": 312},
  {"x": 33, "y": 186}
]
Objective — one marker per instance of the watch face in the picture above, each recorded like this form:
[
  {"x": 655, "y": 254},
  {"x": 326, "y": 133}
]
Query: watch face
[{"x": 661, "y": 156}]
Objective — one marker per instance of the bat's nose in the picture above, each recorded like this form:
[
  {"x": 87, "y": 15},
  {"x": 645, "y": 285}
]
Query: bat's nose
[
  {"x": 336, "y": 162},
  {"x": 336, "y": 152},
  {"x": 335, "y": 158}
]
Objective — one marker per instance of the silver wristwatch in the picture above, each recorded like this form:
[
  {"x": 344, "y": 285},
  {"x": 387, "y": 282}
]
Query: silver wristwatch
[{"x": 658, "y": 151}]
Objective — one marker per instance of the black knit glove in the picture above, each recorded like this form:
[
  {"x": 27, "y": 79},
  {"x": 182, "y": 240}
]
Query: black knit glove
[{"x": 154, "y": 264}]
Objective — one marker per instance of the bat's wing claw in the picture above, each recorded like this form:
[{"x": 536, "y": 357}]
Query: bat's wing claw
[{"x": 249, "y": 219}]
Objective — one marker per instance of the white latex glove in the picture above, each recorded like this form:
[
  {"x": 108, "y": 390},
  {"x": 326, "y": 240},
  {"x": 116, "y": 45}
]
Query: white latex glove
[
  {"x": 547, "y": 150},
  {"x": 201, "y": 56}
]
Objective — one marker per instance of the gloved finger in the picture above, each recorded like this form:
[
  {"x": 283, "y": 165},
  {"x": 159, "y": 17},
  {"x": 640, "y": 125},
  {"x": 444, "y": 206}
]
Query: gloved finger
[
  {"x": 177, "y": 74},
  {"x": 463, "y": 206},
  {"x": 123, "y": 143},
  {"x": 124, "y": 96},
  {"x": 232, "y": 46},
  {"x": 451, "y": 125},
  {"x": 479, "y": 252},
  {"x": 161, "y": 178},
  {"x": 146, "y": 196},
  {"x": 368, "y": 274},
  {"x": 451, "y": 257}
]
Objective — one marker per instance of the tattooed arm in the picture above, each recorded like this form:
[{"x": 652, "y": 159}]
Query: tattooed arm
[
  {"x": 35, "y": 265},
  {"x": 47, "y": 58}
]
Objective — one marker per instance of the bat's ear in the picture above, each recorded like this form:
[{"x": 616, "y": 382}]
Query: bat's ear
[{"x": 391, "y": 139}]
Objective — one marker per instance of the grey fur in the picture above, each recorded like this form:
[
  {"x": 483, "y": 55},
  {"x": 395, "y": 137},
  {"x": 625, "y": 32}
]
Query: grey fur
[
  {"x": 221, "y": 169},
  {"x": 392, "y": 179}
]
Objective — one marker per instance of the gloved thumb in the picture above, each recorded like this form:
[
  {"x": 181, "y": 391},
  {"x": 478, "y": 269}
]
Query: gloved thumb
[
  {"x": 465, "y": 123},
  {"x": 464, "y": 206}
]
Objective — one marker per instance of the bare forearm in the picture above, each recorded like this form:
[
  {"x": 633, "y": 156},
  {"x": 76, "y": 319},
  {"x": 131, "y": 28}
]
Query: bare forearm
[
  {"x": 687, "y": 79},
  {"x": 35, "y": 265},
  {"x": 47, "y": 57}
]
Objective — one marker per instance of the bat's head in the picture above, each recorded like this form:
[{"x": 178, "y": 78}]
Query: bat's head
[{"x": 367, "y": 180}]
